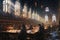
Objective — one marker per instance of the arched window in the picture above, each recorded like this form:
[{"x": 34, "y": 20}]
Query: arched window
[
  {"x": 53, "y": 18},
  {"x": 5, "y": 5},
  {"x": 33, "y": 15},
  {"x": 17, "y": 8},
  {"x": 29, "y": 13},
  {"x": 25, "y": 11},
  {"x": 46, "y": 18}
]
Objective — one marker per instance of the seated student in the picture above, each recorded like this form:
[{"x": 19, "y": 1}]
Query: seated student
[
  {"x": 22, "y": 35},
  {"x": 41, "y": 31},
  {"x": 35, "y": 32}
]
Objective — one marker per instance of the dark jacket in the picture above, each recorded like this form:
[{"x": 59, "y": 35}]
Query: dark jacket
[{"x": 23, "y": 34}]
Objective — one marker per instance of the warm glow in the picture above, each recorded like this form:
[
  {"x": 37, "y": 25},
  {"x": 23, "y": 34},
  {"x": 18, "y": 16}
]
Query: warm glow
[
  {"x": 29, "y": 13},
  {"x": 13, "y": 31},
  {"x": 7, "y": 6},
  {"x": 38, "y": 17},
  {"x": 35, "y": 29},
  {"x": 46, "y": 18},
  {"x": 10, "y": 6},
  {"x": 46, "y": 27},
  {"x": 33, "y": 15},
  {"x": 24, "y": 15},
  {"x": 3, "y": 5},
  {"x": 17, "y": 8},
  {"x": 25, "y": 11}
]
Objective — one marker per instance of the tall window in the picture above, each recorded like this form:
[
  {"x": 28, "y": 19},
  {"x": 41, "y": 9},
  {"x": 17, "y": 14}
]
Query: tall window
[
  {"x": 36, "y": 16},
  {"x": 46, "y": 18},
  {"x": 47, "y": 9},
  {"x": 33, "y": 15},
  {"x": 53, "y": 18},
  {"x": 29, "y": 13},
  {"x": 17, "y": 8},
  {"x": 25, "y": 11},
  {"x": 5, "y": 5}
]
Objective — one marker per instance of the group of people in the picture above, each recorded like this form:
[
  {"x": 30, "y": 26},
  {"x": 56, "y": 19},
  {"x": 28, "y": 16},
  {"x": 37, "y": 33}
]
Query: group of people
[
  {"x": 39, "y": 35},
  {"x": 36, "y": 32},
  {"x": 33, "y": 32}
]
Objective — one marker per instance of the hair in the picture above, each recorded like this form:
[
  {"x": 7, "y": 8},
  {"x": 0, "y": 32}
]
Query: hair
[{"x": 39, "y": 24}]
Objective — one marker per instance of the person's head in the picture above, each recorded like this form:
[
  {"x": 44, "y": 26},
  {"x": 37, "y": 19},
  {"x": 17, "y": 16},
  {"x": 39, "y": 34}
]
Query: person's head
[
  {"x": 27, "y": 26},
  {"x": 42, "y": 24},
  {"x": 23, "y": 25},
  {"x": 39, "y": 24}
]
